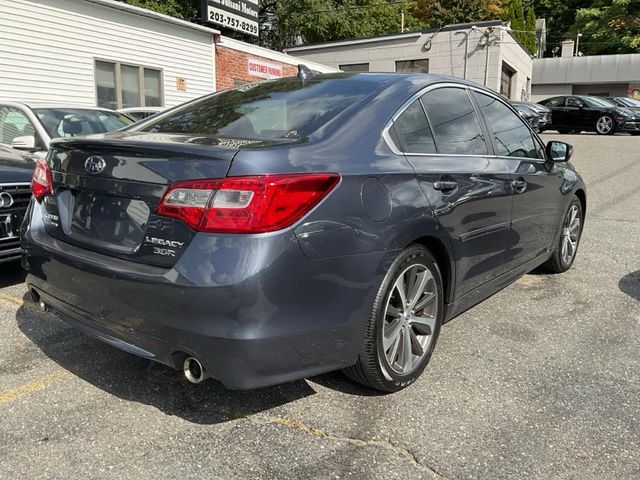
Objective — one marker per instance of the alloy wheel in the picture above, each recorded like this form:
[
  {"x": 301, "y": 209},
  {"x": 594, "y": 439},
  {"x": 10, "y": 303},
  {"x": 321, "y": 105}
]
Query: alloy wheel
[
  {"x": 570, "y": 235},
  {"x": 410, "y": 319},
  {"x": 604, "y": 124}
]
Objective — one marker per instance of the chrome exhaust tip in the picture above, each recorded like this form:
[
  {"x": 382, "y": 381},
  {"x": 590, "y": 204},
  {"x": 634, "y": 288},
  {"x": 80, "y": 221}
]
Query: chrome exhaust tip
[
  {"x": 43, "y": 306},
  {"x": 193, "y": 370}
]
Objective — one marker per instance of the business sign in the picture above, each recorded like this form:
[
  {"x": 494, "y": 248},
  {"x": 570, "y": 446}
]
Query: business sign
[
  {"x": 240, "y": 15},
  {"x": 259, "y": 68}
]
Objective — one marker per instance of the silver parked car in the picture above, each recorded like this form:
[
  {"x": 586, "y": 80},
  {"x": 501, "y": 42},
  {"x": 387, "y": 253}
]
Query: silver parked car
[{"x": 31, "y": 127}]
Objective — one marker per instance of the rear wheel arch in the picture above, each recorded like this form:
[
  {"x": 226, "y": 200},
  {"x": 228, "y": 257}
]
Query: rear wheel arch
[{"x": 444, "y": 259}]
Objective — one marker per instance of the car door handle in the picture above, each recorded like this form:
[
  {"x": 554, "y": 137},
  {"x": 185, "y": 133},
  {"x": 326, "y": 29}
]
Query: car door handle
[
  {"x": 445, "y": 185},
  {"x": 519, "y": 185}
]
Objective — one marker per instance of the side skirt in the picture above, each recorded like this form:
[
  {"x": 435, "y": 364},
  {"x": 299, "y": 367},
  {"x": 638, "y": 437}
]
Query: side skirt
[{"x": 483, "y": 292}]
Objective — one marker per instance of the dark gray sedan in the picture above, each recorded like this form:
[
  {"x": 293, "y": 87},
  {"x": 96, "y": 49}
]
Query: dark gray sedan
[{"x": 281, "y": 230}]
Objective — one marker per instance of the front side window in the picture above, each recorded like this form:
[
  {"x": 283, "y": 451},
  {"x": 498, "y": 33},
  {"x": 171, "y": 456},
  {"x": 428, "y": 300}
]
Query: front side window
[
  {"x": 413, "y": 66},
  {"x": 282, "y": 109},
  {"x": 14, "y": 123},
  {"x": 413, "y": 132},
  {"x": 512, "y": 137},
  {"x": 127, "y": 86},
  {"x": 574, "y": 102},
  {"x": 455, "y": 125}
]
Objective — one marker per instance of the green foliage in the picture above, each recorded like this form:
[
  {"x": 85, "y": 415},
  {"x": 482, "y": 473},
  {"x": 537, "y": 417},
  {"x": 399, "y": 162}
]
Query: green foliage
[
  {"x": 609, "y": 26},
  {"x": 437, "y": 13},
  {"x": 184, "y": 9},
  {"x": 522, "y": 29},
  {"x": 285, "y": 22},
  {"x": 560, "y": 16},
  {"x": 531, "y": 41}
]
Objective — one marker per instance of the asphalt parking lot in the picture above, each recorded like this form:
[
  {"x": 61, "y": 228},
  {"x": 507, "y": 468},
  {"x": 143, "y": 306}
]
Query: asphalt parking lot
[{"x": 542, "y": 380}]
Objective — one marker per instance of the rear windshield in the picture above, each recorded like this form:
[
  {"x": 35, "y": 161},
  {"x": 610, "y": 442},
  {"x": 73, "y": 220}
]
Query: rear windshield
[
  {"x": 267, "y": 111},
  {"x": 70, "y": 122}
]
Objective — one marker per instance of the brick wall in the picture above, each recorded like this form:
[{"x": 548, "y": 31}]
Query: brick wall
[{"x": 231, "y": 65}]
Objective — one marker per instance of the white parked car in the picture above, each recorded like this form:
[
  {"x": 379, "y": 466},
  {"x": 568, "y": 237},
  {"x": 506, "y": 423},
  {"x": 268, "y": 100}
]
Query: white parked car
[
  {"x": 140, "y": 113},
  {"x": 32, "y": 127}
]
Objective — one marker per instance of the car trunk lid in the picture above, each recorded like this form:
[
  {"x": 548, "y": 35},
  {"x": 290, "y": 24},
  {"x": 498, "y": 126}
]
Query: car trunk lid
[{"x": 107, "y": 189}]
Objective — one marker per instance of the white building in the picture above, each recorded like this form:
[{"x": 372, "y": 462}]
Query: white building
[
  {"x": 101, "y": 52},
  {"x": 600, "y": 75},
  {"x": 493, "y": 56}
]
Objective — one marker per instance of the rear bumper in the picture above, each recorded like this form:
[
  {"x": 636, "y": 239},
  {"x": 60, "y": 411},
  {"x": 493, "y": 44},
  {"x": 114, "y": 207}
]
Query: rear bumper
[{"x": 253, "y": 309}]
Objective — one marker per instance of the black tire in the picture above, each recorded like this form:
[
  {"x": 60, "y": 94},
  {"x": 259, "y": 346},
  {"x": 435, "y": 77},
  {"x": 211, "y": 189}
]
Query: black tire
[
  {"x": 607, "y": 118},
  {"x": 557, "y": 263},
  {"x": 372, "y": 368}
]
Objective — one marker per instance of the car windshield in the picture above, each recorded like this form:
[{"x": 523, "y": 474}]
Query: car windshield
[
  {"x": 629, "y": 102},
  {"x": 272, "y": 110},
  {"x": 70, "y": 122},
  {"x": 596, "y": 102}
]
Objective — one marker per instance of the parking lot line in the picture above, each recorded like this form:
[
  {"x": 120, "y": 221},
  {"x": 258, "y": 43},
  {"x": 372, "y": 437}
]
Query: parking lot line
[
  {"x": 33, "y": 386},
  {"x": 10, "y": 300}
]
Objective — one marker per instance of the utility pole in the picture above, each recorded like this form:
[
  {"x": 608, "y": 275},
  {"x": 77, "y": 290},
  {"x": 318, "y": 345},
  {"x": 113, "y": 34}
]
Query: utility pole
[
  {"x": 577, "y": 44},
  {"x": 401, "y": 21}
]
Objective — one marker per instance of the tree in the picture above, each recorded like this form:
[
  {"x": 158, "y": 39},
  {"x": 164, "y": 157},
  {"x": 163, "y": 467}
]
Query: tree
[
  {"x": 531, "y": 44},
  {"x": 289, "y": 22},
  {"x": 522, "y": 29},
  {"x": 438, "y": 13},
  {"x": 560, "y": 15},
  {"x": 184, "y": 9},
  {"x": 609, "y": 26}
]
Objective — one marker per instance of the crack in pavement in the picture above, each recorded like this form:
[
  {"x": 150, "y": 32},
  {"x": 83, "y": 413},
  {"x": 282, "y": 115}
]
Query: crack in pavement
[{"x": 385, "y": 443}]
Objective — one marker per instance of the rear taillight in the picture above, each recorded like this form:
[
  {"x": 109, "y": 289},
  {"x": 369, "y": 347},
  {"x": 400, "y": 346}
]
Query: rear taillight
[
  {"x": 41, "y": 184},
  {"x": 252, "y": 204}
]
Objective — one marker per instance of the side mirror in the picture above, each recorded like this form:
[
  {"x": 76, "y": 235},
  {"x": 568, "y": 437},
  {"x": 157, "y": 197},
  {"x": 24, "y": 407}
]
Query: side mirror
[
  {"x": 27, "y": 142},
  {"x": 559, "y": 151}
]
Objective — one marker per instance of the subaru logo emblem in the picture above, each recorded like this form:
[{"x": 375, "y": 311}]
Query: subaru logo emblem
[
  {"x": 94, "y": 164},
  {"x": 6, "y": 200}
]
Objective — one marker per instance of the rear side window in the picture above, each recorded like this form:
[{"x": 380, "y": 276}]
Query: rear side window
[
  {"x": 454, "y": 122},
  {"x": 267, "y": 111},
  {"x": 513, "y": 138},
  {"x": 413, "y": 130}
]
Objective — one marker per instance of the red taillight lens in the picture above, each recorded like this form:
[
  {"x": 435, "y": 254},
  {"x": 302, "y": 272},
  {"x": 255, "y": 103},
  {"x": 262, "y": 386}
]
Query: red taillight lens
[
  {"x": 41, "y": 183},
  {"x": 253, "y": 204}
]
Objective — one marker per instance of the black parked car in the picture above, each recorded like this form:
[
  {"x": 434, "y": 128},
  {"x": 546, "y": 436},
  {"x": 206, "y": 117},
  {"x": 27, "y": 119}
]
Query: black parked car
[
  {"x": 627, "y": 102},
  {"x": 574, "y": 114},
  {"x": 297, "y": 226},
  {"x": 16, "y": 170},
  {"x": 544, "y": 113},
  {"x": 528, "y": 113}
]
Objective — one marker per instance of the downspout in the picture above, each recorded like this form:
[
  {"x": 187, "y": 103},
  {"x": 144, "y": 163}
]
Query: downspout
[{"x": 466, "y": 49}]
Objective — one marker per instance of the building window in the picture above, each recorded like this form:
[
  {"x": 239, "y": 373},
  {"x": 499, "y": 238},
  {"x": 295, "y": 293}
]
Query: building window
[
  {"x": 506, "y": 80},
  {"x": 125, "y": 86},
  {"x": 413, "y": 66},
  {"x": 355, "y": 67}
]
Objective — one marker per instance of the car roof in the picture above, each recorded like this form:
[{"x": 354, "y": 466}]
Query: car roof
[{"x": 51, "y": 106}]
